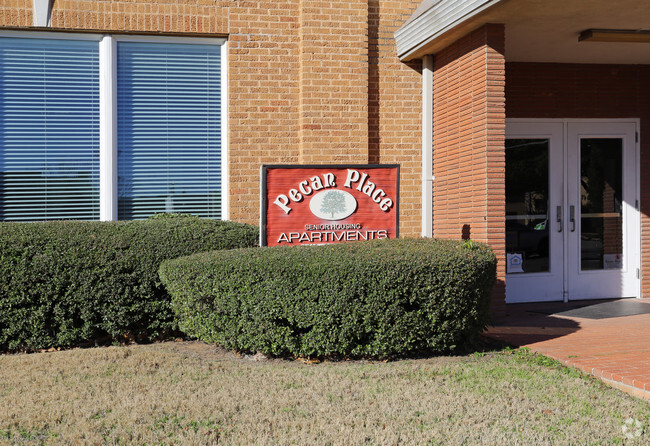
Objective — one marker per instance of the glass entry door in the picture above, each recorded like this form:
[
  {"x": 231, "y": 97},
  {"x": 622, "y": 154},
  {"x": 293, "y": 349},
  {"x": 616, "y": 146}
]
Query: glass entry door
[{"x": 572, "y": 224}]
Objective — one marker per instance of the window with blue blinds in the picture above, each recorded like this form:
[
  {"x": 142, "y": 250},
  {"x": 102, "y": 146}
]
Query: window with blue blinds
[
  {"x": 49, "y": 129},
  {"x": 169, "y": 129}
]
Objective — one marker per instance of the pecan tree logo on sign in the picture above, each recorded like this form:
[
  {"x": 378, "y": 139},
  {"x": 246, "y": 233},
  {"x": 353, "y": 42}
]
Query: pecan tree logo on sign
[
  {"x": 328, "y": 204},
  {"x": 333, "y": 205},
  {"x": 334, "y": 202}
]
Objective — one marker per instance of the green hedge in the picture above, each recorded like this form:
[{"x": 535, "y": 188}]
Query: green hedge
[
  {"x": 368, "y": 299},
  {"x": 70, "y": 283}
]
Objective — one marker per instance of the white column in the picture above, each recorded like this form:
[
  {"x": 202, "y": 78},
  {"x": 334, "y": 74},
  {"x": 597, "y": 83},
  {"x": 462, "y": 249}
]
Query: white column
[
  {"x": 107, "y": 130},
  {"x": 225, "y": 167},
  {"x": 427, "y": 146},
  {"x": 41, "y": 11}
]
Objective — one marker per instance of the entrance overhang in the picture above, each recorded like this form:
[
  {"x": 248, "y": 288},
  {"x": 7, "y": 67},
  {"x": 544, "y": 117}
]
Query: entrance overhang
[{"x": 536, "y": 30}]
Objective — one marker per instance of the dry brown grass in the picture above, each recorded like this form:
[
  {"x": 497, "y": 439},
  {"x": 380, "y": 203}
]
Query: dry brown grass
[{"x": 189, "y": 393}]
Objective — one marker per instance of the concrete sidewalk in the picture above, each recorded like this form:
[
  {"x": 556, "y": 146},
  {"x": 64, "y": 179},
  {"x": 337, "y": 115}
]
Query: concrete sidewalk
[{"x": 604, "y": 341}]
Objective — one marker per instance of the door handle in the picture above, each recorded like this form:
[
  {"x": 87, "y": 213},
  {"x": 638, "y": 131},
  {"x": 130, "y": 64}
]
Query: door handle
[
  {"x": 559, "y": 218},
  {"x": 572, "y": 217}
]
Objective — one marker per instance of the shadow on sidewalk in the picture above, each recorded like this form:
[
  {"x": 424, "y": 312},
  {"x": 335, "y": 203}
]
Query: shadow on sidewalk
[{"x": 522, "y": 324}]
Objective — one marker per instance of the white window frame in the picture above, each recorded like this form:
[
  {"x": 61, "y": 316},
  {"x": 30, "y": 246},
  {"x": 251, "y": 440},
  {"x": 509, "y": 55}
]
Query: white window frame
[{"x": 107, "y": 44}]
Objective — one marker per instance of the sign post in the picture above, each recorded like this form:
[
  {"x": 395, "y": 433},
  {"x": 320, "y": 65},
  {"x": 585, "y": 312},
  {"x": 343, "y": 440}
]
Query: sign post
[{"x": 307, "y": 205}]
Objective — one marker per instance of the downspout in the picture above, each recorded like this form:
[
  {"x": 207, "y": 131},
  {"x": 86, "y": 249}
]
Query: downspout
[
  {"x": 427, "y": 146},
  {"x": 42, "y": 12}
]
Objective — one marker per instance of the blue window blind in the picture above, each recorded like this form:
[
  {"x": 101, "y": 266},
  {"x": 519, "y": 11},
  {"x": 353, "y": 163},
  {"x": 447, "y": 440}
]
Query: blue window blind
[
  {"x": 169, "y": 129},
  {"x": 49, "y": 129}
]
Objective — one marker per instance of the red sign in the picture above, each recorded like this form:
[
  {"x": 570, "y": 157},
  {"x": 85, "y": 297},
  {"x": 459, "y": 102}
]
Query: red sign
[{"x": 307, "y": 205}]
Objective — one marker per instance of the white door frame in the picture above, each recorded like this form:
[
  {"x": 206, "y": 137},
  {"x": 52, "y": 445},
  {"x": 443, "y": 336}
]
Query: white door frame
[
  {"x": 583, "y": 284},
  {"x": 538, "y": 128}
]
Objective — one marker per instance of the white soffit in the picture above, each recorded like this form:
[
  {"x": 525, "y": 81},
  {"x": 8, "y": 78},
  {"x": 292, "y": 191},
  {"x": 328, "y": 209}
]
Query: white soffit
[{"x": 536, "y": 30}]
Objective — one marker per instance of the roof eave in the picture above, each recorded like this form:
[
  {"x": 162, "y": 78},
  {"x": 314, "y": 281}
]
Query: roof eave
[{"x": 414, "y": 38}]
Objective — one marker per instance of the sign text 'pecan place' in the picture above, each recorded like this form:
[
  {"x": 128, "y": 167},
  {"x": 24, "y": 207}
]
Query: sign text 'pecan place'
[{"x": 304, "y": 205}]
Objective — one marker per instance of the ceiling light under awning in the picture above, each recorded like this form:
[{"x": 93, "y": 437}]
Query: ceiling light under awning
[{"x": 615, "y": 35}]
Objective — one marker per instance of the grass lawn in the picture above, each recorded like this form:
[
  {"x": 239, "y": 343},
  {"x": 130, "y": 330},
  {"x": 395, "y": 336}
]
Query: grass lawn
[{"x": 189, "y": 393}]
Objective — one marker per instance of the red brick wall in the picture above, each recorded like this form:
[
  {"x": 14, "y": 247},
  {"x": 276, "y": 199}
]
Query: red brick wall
[
  {"x": 545, "y": 90},
  {"x": 309, "y": 81},
  {"x": 333, "y": 81},
  {"x": 198, "y": 16},
  {"x": 264, "y": 81},
  {"x": 16, "y": 13},
  {"x": 468, "y": 133},
  {"x": 395, "y": 108}
]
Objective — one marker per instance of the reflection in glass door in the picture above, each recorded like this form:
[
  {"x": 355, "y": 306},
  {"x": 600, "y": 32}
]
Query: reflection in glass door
[
  {"x": 601, "y": 203},
  {"x": 572, "y": 220},
  {"x": 534, "y": 248},
  {"x": 527, "y": 242}
]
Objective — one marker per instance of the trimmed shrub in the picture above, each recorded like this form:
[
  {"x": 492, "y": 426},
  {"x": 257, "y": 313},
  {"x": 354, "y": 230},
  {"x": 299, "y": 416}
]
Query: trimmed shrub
[
  {"x": 365, "y": 299},
  {"x": 66, "y": 283}
]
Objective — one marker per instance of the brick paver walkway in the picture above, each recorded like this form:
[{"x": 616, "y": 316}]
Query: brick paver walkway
[{"x": 617, "y": 349}]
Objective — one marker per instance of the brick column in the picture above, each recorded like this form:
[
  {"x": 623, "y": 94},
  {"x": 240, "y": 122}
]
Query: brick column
[
  {"x": 468, "y": 133},
  {"x": 334, "y": 81}
]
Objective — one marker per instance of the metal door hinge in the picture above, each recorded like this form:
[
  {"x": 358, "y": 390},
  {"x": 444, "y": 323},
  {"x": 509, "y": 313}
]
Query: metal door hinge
[
  {"x": 638, "y": 273},
  {"x": 636, "y": 204},
  {"x": 636, "y": 136}
]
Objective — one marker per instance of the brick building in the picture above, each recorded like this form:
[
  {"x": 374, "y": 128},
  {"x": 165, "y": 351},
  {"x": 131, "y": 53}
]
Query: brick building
[{"x": 522, "y": 124}]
